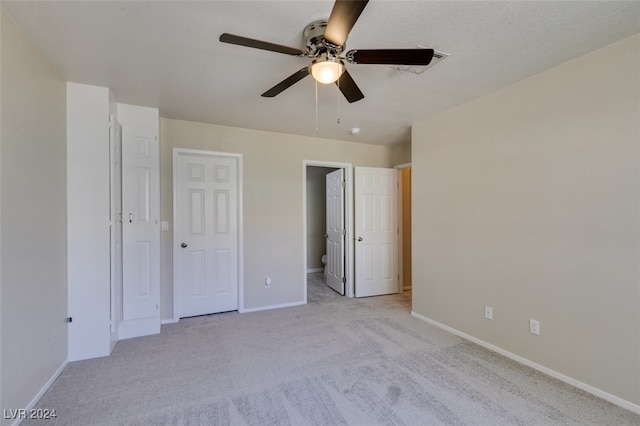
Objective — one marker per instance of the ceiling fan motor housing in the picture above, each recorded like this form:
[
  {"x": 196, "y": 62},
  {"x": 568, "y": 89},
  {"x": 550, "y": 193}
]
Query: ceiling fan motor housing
[{"x": 313, "y": 37}]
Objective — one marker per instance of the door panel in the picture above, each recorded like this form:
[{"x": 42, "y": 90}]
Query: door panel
[
  {"x": 335, "y": 230},
  {"x": 141, "y": 231},
  {"x": 207, "y": 233},
  {"x": 376, "y": 231}
]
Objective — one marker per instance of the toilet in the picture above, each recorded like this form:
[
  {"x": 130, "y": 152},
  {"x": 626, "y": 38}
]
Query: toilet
[{"x": 324, "y": 262}]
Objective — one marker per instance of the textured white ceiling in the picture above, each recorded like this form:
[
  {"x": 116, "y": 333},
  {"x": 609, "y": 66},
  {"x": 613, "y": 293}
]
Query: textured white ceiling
[{"x": 167, "y": 55}]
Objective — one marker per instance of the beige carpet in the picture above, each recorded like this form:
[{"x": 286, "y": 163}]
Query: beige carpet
[{"x": 334, "y": 361}]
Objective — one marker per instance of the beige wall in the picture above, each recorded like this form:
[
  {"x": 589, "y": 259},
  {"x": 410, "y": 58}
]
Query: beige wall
[
  {"x": 401, "y": 154},
  {"x": 527, "y": 200},
  {"x": 33, "y": 221},
  {"x": 272, "y": 201}
]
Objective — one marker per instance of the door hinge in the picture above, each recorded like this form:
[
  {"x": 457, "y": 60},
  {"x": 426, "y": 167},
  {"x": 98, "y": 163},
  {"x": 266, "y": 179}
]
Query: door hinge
[
  {"x": 344, "y": 183},
  {"x": 344, "y": 232},
  {"x": 344, "y": 280}
]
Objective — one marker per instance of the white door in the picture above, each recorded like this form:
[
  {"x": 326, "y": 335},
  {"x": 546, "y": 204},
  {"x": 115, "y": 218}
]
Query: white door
[
  {"x": 141, "y": 229},
  {"x": 207, "y": 233},
  {"x": 376, "y": 231},
  {"x": 335, "y": 230}
]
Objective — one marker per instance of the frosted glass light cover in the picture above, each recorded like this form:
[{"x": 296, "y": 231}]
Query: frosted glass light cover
[{"x": 326, "y": 72}]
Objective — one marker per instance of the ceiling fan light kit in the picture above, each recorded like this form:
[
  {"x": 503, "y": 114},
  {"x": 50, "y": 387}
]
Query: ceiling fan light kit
[
  {"x": 327, "y": 70},
  {"x": 325, "y": 41}
]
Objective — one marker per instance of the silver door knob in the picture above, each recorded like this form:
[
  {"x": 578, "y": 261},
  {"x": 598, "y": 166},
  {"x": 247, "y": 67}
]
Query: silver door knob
[
  {"x": 359, "y": 238},
  {"x": 183, "y": 245}
]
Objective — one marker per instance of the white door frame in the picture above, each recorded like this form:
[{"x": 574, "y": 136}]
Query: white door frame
[
  {"x": 115, "y": 218},
  {"x": 177, "y": 152},
  {"x": 348, "y": 210}
]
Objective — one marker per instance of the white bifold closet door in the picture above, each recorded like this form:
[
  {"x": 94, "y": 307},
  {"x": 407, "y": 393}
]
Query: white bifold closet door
[{"x": 140, "y": 228}]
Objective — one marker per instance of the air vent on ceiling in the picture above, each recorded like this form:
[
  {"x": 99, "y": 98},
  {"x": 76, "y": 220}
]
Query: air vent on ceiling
[{"x": 415, "y": 69}]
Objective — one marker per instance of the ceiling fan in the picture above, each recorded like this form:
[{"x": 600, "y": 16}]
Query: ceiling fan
[{"x": 325, "y": 42}]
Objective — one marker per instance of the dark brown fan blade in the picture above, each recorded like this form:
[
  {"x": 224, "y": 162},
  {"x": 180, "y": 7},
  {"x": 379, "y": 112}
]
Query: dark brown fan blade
[
  {"x": 259, "y": 44},
  {"x": 390, "y": 56},
  {"x": 349, "y": 88},
  {"x": 344, "y": 15},
  {"x": 286, "y": 83}
]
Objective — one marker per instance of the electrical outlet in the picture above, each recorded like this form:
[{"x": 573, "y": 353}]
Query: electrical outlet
[
  {"x": 488, "y": 312},
  {"x": 534, "y": 327}
]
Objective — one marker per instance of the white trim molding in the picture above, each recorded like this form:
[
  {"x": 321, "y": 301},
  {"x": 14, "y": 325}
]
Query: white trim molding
[
  {"x": 402, "y": 166},
  {"x": 267, "y": 308},
  {"x": 43, "y": 390},
  {"x": 627, "y": 405}
]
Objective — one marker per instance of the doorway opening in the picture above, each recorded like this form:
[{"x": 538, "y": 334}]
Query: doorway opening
[
  {"x": 404, "y": 222},
  {"x": 315, "y": 222},
  {"x": 315, "y": 226}
]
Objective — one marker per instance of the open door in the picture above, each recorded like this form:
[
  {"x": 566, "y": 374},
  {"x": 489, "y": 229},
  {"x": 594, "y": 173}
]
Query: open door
[
  {"x": 335, "y": 185},
  {"x": 376, "y": 231}
]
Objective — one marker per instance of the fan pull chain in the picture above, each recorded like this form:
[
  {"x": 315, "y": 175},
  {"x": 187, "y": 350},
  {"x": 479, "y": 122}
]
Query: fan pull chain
[
  {"x": 316, "y": 105},
  {"x": 339, "y": 94}
]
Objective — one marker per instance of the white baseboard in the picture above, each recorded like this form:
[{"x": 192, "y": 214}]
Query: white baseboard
[
  {"x": 266, "y": 308},
  {"x": 580, "y": 385},
  {"x": 169, "y": 321},
  {"x": 309, "y": 271},
  {"x": 42, "y": 391}
]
